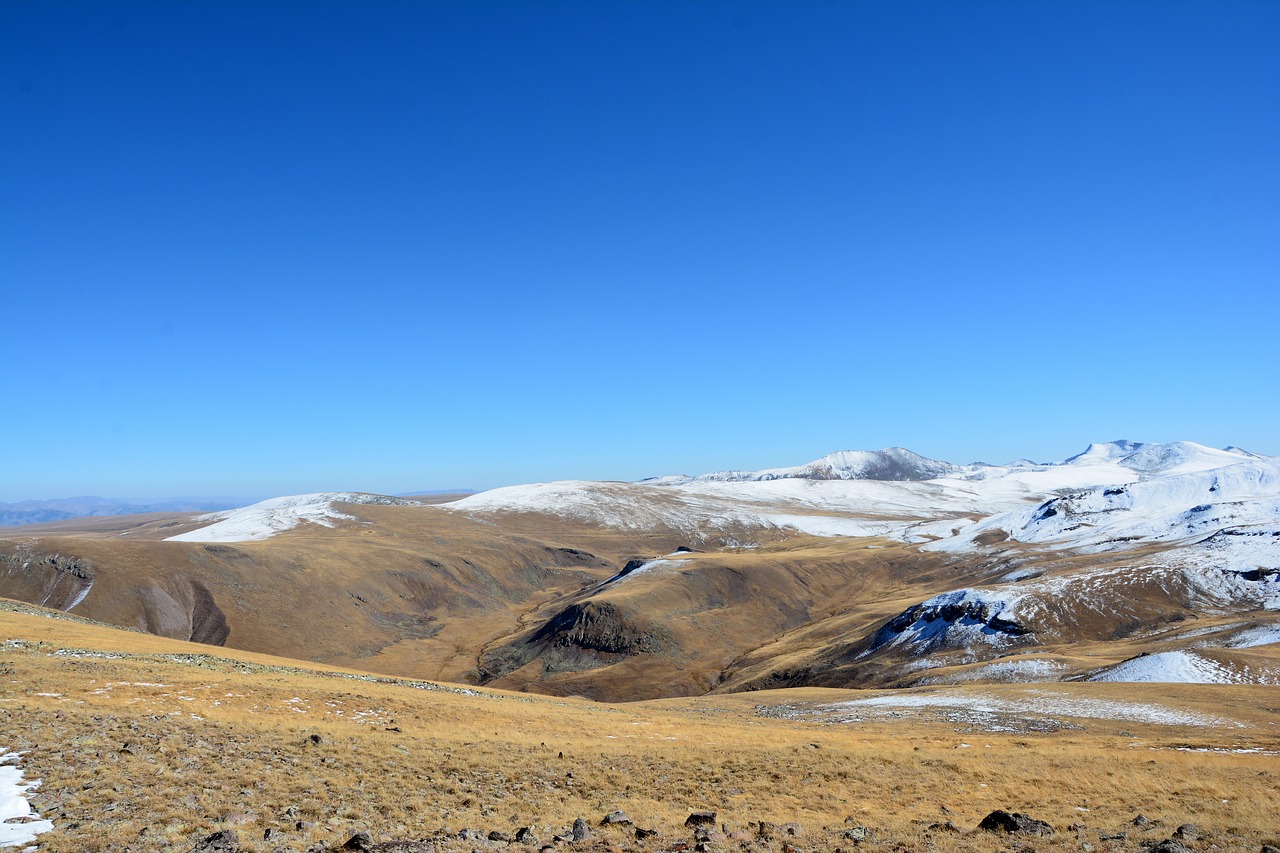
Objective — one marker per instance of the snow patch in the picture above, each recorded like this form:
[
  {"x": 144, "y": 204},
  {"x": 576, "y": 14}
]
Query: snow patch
[
  {"x": 1263, "y": 635},
  {"x": 1036, "y": 702},
  {"x": 1182, "y": 667},
  {"x": 1021, "y": 670},
  {"x": 19, "y": 824},
  {"x": 267, "y": 518}
]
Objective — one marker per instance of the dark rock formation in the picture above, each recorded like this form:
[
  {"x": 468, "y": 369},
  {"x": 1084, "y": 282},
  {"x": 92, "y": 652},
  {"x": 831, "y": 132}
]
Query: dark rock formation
[{"x": 1014, "y": 823}]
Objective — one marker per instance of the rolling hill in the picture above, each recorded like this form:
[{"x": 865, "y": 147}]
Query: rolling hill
[{"x": 1128, "y": 561}]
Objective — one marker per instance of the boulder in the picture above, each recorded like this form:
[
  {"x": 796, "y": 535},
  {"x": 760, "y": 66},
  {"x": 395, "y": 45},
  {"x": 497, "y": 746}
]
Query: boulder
[
  {"x": 700, "y": 819},
  {"x": 224, "y": 841},
  {"x": 361, "y": 841},
  {"x": 1014, "y": 823}
]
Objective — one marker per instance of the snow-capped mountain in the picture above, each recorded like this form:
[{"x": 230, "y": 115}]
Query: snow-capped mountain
[
  {"x": 892, "y": 463},
  {"x": 1170, "y": 500},
  {"x": 1113, "y": 492}
]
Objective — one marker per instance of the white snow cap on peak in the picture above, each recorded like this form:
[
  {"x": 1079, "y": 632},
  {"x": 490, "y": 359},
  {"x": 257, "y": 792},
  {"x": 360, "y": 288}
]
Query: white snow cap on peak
[
  {"x": 1106, "y": 450},
  {"x": 891, "y": 463}
]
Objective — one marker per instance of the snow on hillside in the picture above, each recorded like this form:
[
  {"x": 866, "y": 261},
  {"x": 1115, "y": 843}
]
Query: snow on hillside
[
  {"x": 1001, "y": 712},
  {"x": 1194, "y": 502},
  {"x": 816, "y": 507},
  {"x": 267, "y": 518},
  {"x": 18, "y": 823},
  {"x": 892, "y": 464},
  {"x": 1183, "y": 667},
  {"x": 1110, "y": 494}
]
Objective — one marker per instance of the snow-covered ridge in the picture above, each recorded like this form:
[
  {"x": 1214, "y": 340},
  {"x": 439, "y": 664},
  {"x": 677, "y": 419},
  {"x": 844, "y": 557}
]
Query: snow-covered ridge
[
  {"x": 850, "y": 494},
  {"x": 1165, "y": 507},
  {"x": 267, "y": 518}
]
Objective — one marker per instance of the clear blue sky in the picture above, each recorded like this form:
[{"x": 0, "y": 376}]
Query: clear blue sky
[{"x": 261, "y": 248}]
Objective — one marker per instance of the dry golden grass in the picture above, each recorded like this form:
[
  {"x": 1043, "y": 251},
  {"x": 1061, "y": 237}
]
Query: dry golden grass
[
  {"x": 148, "y": 744},
  {"x": 425, "y": 593}
]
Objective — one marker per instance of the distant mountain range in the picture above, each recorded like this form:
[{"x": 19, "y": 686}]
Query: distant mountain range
[{"x": 60, "y": 509}]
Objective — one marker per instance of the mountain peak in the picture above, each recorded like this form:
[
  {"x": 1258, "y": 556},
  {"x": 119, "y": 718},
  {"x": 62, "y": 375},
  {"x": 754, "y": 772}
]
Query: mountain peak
[
  {"x": 890, "y": 464},
  {"x": 1106, "y": 450}
]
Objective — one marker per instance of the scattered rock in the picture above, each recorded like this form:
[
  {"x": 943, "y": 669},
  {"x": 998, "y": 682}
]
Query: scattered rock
[
  {"x": 224, "y": 841},
  {"x": 1269, "y": 848},
  {"x": 524, "y": 835},
  {"x": 944, "y": 827},
  {"x": 700, "y": 819},
  {"x": 470, "y": 835},
  {"x": 1169, "y": 845},
  {"x": 1113, "y": 836},
  {"x": 766, "y": 830},
  {"x": 1187, "y": 832},
  {"x": 615, "y": 818},
  {"x": 642, "y": 834},
  {"x": 857, "y": 834},
  {"x": 359, "y": 841},
  {"x": 580, "y": 830},
  {"x": 1141, "y": 821},
  {"x": 1016, "y": 822},
  {"x": 497, "y": 835}
]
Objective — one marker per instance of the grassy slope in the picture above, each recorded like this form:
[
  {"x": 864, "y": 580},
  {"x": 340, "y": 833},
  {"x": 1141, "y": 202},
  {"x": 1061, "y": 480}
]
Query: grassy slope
[
  {"x": 223, "y": 741},
  {"x": 425, "y": 593}
]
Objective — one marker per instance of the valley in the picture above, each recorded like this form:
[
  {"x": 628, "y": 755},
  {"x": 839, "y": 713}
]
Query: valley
[
  {"x": 826, "y": 661},
  {"x": 816, "y": 575}
]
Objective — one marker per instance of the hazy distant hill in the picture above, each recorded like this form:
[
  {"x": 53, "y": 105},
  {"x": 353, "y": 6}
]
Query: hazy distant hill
[{"x": 60, "y": 509}]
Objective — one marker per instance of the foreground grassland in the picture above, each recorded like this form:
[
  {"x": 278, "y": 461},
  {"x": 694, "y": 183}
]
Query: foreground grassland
[{"x": 147, "y": 744}]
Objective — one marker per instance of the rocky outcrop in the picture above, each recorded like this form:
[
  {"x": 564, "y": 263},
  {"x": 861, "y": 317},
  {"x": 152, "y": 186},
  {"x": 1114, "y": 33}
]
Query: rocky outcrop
[
  {"x": 600, "y": 626},
  {"x": 585, "y": 635},
  {"x": 57, "y": 581}
]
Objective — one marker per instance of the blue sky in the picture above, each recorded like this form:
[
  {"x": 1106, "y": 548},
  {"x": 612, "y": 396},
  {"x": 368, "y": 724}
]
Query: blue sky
[{"x": 263, "y": 248}]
